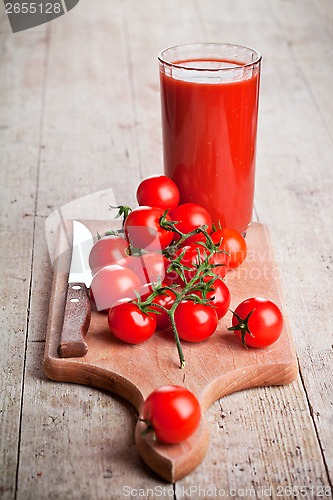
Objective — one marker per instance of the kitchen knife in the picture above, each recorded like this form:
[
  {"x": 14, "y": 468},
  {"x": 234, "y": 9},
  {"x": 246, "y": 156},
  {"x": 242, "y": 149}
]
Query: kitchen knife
[{"x": 77, "y": 307}]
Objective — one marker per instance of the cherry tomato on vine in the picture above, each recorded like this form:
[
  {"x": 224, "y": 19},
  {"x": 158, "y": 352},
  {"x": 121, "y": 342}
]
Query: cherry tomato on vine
[
  {"x": 190, "y": 216},
  {"x": 173, "y": 413},
  {"x": 232, "y": 242},
  {"x": 219, "y": 296},
  {"x": 143, "y": 229},
  {"x": 193, "y": 255},
  {"x": 108, "y": 250},
  {"x": 158, "y": 191},
  {"x": 165, "y": 299},
  {"x": 112, "y": 283},
  {"x": 195, "y": 321},
  {"x": 257, "y": 322},
  {"x": 129, "y": 323},
  {"x": 170, "y": 275}
]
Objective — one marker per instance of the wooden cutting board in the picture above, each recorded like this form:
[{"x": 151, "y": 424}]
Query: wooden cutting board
[{"x": 214, "y": 368}]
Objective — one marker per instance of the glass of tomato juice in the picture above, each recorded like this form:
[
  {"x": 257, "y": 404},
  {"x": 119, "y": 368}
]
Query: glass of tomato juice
[{"x": 209, "y": 102}]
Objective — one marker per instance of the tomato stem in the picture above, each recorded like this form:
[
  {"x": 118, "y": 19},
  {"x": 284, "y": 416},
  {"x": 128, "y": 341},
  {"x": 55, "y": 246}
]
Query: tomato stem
[
  {"x": 202, "y": 267},
  {"x": 123, "y": 211},
  {"x": 242, "y": 326},
  {"x": 175, "y": 334},
  {"x": 148, "y": 429}
]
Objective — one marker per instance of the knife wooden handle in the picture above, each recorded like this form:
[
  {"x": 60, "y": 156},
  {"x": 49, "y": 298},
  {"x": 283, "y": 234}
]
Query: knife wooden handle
[{"x": 76, "y": 322}]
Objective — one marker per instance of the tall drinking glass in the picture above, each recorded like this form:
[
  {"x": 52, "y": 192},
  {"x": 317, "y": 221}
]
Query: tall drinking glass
[{"x": 209, "y": 98}]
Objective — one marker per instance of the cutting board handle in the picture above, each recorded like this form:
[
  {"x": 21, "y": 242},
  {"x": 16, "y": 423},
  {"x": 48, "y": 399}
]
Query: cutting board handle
[{"x": 172, "y": 462}]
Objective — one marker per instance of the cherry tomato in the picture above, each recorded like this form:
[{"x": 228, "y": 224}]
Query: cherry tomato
[
  {"x": 129, "y": 324},
  {"x": 257, "y": 322},
  {"x": 219, "y": 297},
  {"x": 194, "y": 321},
  {"x": 108, "y": 250},
  {"x": 112, "y": 283},
  {"x": 143, "y": 229},
  {"x": 190, "y": 216},
  {"x": 158, "y": 191},
  {"x": 173, "y": 413},
  {"x": 165, "y": 299},
  {"x": 232, "y": 242},
  {"x": 149, "y": 267}
]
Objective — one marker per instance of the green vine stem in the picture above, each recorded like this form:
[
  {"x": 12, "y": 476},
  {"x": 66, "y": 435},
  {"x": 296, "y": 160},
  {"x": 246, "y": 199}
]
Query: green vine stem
[{"x": 203, "y": 269}]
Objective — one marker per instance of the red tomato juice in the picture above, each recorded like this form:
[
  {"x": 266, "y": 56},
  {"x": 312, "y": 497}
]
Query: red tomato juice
[{"x": 209, "y": 142}]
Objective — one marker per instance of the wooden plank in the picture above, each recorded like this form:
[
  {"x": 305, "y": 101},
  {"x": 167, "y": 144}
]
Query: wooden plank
[
  {"x": 88, "y": 144},
  {"x": 215, "y": 18},
  {"x": 175, "y": 26},
  {"x": 21, "y": 80},
  {"x": 101, "y": 148},
  {"x": 303, "y": 170},
  {"x": 286, "y": 108},
  {"x": 72, "y": 449},
  {"x": 76, "y": 442},
  {"x": 325, "y": 8},
  {"x": 311, "y": 57},
  {"x": 264, "y": 443},
  {"x": 88, "y": 136}
]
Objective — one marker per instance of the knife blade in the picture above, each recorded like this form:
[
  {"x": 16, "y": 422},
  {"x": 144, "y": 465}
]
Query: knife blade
[{"x": 77, "y": 311}]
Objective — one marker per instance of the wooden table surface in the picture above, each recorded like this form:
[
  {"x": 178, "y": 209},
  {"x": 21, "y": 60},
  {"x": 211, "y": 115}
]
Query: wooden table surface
[{"x": 79, "y": 113}]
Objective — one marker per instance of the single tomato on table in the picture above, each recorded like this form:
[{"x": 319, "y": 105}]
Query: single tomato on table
[
  {"x": 172, "y": 413},
  {"x": 258, "y": 322}
]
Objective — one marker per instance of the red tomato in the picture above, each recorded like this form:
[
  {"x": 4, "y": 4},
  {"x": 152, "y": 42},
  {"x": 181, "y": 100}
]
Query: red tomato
[
  {"x": 257, "y": 322},
  {"x": 108, "y": 250},
  {"x": 112, "y": 283},
  {"x": 165, "y": 299},
  {"x": 219, "y": 297},
  {"x": 158, "y": 191},
  {"x": 173, "y": 413},
  {"x": 143, "y": 229},
  {"x": 232, "y": 242},
  {"x": 129, "y": 324},
  {"x": 190, "y": 216},
  {"x": 149, "y": 267},
  {"x": 195, "y": 322}
]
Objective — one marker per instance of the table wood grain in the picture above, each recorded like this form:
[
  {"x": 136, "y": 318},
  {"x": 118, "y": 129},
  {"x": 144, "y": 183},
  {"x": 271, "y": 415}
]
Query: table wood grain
[{"x": 80, "y": 113}]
